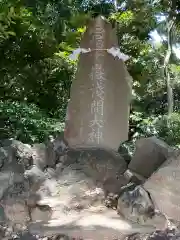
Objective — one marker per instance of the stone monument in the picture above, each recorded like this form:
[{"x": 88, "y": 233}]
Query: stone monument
[{"x": 98, "y": 110}]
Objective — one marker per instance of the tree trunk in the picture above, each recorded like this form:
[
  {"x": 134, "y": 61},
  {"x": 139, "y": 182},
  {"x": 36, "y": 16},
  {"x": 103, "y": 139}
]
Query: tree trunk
[
  {"x": 170, "y": 99},
  {"x": 170, "y": 25}
]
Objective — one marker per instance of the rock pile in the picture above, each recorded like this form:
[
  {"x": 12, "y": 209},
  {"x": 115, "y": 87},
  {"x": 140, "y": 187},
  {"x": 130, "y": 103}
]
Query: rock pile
[{"x": 51, "y": 192}]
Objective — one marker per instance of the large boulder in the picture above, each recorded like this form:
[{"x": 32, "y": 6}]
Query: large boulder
[
  {"x": 163, "y": 187},
  {"x": 17, "y": 157},
  {"x": 150, "y": 153},
  {"x": 15, "y": 151},
  {"x": 15, "y": 186}
]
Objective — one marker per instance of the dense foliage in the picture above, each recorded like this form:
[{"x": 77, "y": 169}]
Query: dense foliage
[{"x": 36, "y": 38}]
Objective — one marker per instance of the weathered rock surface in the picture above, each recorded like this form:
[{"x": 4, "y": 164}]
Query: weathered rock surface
[
  {"x": 137, "y": 206},
  {"x": 167, "y": 234},
  {"x": 150, "y": 153},
  {"x": 163, "y": 186},
  {"x": 123, "y": 151},
  {"x": 33, "y": 192},
  {"x": 67, "y": 195}
]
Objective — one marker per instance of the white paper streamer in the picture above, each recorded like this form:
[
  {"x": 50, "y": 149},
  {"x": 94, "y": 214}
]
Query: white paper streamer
[
  {"x": 113, "y": 51},
  {"x": 117, "y": 53},
  {"x": 77, "y": 51}
]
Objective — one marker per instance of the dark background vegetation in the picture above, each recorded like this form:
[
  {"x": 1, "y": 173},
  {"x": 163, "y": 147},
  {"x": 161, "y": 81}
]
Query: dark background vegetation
[{"x": 36, "y": 38}]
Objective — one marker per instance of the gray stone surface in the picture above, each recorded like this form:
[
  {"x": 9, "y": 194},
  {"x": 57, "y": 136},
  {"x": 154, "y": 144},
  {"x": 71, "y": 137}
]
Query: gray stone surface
[
  {"x": 39, "y": 155},
  {"x": 136, "y": 205},
  {"x": 69, "y": 197},
  {"x": 150, "y": 153},
  {"x": 163, "y": 186},
  {"x": 101, "y": 119}
]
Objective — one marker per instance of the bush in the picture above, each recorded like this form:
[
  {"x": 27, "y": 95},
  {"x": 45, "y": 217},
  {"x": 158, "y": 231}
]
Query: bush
[
  {"x": 26, "y": 122},
  {"x": 163, "y": 127},
  {"x": 169, "y": 129}
]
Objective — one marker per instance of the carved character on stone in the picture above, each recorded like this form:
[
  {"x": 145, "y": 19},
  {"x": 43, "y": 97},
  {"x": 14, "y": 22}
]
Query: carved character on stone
[{"x": 98, "y": 110}]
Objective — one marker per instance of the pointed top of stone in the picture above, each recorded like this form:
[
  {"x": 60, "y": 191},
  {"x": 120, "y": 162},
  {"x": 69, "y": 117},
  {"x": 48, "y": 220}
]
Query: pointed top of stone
[{"x": 99, "y": 29}]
